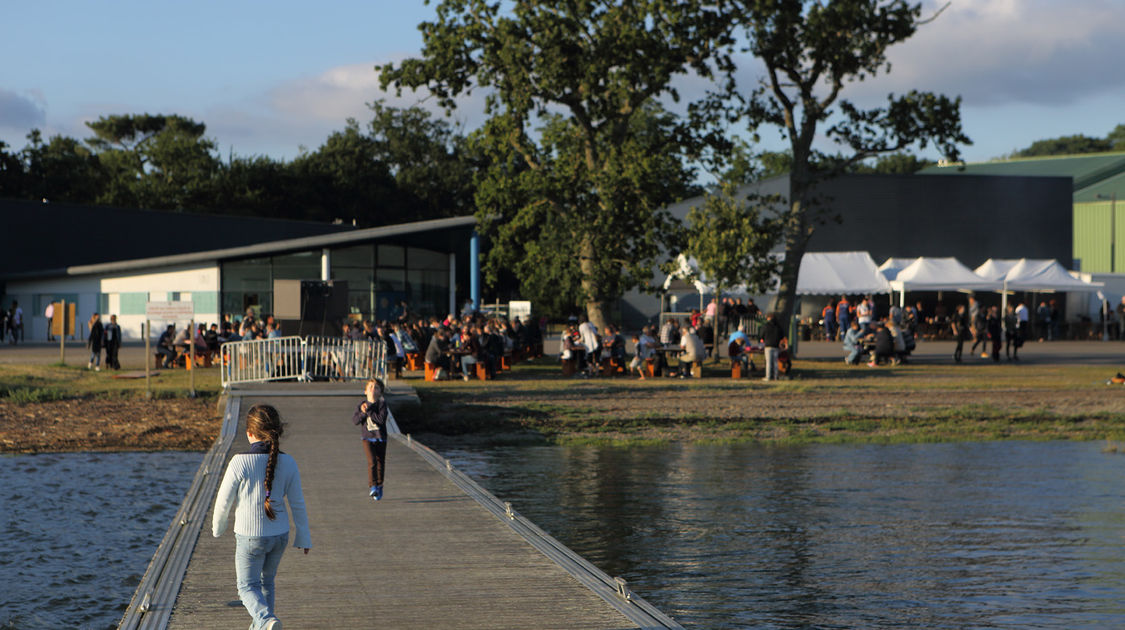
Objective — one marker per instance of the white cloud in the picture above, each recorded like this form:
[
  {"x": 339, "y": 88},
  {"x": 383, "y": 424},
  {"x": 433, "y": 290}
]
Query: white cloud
[
  {"x": 1000, "y": 52},
  {"x": 306, "y": 110}
]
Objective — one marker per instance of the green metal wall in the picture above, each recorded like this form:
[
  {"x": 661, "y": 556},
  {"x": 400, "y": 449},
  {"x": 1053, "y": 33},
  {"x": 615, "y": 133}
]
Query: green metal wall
[{"x": 1095, "y": 235}]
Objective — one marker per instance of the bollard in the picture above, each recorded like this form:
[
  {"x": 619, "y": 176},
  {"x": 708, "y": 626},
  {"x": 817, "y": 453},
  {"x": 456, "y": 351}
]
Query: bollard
[
  {"x": 623, "y": 589},
  {"x": 509, "y": 511}
]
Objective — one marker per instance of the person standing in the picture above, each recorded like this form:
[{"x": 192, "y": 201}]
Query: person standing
[
  {"x": 258, "y": 484},
  {"x": 1121, "y": 320},
  {"x": 589, "y": 334},
  {"x": 959, "y": 322},
  {"x": 94, "y": 342},
  {"x": 842, "y": 313},
  {"x": 112, "y": 336},
  {"x": 49, "y": 313},
  {"x": 372, "y": 414},
  {"x": 771, "y": 341},
  {"x": 1011, "y": 334},
  {"x": 978, "y": 319},
  {"x": 994, "y": 329},
  {"x": 863, "y": 313},
  {"x": 17, "y": 322},
  {"x": 828, "y": 316}
]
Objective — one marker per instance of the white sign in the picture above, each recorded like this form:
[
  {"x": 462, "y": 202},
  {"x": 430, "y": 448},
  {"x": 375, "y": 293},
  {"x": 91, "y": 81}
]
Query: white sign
[
  {"x": 520, "y": 309},
  {"x": 170, "y": 311}
]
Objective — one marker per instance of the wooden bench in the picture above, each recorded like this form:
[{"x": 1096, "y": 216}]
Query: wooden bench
[
  {"x": 431, "y": 371},
  {"x": 650, "y": 367},
  {"x": 569, "y": 366},
  {"x": 506, "y": 362},
  {"x": 735, "y": 369},
  {"x": 482, "y": 371}
]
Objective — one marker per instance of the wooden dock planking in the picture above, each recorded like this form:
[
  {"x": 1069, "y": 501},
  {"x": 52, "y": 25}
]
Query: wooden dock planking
[{"x": 426, "y": 556}]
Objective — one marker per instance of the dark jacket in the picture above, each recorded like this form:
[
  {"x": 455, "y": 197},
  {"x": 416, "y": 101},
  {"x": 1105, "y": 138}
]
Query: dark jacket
[
  {"x": 377, "y": 411},
  {"x": 111, "y": 334},
  {"x": 771, "y": 334},
  {"x": 94, "y": 341}
]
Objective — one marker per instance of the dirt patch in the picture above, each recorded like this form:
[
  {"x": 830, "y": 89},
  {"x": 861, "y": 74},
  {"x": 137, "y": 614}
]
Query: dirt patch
[{"x": 95, "y": 424}]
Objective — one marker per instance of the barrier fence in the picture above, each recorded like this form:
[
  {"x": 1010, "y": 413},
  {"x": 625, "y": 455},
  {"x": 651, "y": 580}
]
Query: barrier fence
[{"x": 307, "y": 359}]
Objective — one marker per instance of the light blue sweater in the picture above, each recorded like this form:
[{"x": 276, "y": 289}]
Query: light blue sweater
[{"x": 243, "y": 484}]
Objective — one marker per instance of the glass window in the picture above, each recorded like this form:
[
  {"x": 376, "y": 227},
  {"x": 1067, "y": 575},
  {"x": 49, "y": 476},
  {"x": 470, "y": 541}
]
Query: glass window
[
  {"x": 426, "y": 259},
  {"x": 362, "y": 256},
  {"x": 392, "y": 256},
  {"x": 246, "y": 275},
  {"x": 299, "y": 266}
]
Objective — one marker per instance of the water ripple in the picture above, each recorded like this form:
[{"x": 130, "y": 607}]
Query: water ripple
[{"x": 78, "y": 530}]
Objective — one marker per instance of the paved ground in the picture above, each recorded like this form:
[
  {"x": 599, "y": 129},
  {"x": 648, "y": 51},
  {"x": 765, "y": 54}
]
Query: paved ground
[
  {"x": 427, "y": 556},
  {"x": 1051, "y": 352}
]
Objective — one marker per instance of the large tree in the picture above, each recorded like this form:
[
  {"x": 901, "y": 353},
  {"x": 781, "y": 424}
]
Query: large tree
[
  {"x": 587, "y": 73},
  {"x": 155, "y": 161},
  {"x": 811, "y": 51}
]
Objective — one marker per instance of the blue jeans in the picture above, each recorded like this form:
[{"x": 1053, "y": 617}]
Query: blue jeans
[
  {"x": 468, "y": 365},
  {"x": 255, "y": 564}
]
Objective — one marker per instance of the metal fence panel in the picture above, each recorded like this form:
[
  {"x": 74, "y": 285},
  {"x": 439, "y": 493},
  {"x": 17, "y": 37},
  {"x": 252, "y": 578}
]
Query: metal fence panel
[
  {"x": 333, "y": 358},
  {"x": 294, "y": 358}
]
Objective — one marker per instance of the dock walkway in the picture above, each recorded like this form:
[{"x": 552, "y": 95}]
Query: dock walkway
[{"x": 429, "y": 555}]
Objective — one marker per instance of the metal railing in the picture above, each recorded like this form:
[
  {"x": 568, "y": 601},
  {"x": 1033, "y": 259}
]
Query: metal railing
[{"x": 308, "y": 359}]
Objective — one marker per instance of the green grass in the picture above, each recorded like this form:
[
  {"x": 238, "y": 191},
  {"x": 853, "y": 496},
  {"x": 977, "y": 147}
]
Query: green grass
[
  {"x": 23, "y": 384},
  {"x": 537, "y": 404}
]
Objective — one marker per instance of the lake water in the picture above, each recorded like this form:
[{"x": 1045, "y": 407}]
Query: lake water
[
  {"x": 992, "y": 535},
  {"x": 77, "y": 531},
  {"x": 976, "y": 535}
]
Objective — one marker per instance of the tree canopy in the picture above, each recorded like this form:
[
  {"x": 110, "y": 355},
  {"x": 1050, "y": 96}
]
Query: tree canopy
[
  {"x": 811, "y": 52},
  {"x": 582, "y": 160}
]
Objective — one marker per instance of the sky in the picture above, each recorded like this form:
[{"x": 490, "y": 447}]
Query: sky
[{"x": 271, "y": 78}]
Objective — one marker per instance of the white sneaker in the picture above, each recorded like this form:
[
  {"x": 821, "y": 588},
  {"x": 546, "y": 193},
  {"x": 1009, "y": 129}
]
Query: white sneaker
[
  {"x": 97, "y": 368},
  {"x": 273, "y": 624}
]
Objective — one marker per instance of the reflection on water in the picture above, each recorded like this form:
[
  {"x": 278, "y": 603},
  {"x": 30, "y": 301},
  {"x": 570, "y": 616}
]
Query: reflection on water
[
  {"x": 77, "y": 531},
  {"x": 989, "y": 535}
]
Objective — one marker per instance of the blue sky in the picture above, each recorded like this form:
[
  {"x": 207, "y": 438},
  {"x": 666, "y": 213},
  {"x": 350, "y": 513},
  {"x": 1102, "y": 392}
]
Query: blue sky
[{"x": 269, "y": 78}]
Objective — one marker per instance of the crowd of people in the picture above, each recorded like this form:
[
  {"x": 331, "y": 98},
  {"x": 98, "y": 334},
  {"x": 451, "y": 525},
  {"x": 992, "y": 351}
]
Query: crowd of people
[
  {"x": 460, "y": 345},
  {"x": 892, "y": 338}
]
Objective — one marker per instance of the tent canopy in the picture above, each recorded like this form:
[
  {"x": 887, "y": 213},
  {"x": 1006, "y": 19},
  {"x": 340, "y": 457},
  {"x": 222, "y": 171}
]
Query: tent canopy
[
  {"x": 941, "y": 274},
  {"x": 839, "y": 273},
  {"x": 892, "y": 266},
  {"x": 821, "y": 273},
  {"x": 996, "y": 268},
  {"x": 1045, "y": 275}
]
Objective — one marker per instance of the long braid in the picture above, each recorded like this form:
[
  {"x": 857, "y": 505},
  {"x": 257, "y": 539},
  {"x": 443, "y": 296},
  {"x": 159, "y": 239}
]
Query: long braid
[
  {"x": 271, "y": 467},
  {"x": 263, "y": 422}
]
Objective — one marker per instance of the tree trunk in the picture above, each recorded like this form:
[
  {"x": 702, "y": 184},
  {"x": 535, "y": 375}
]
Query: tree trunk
[
  {"x": 797, "y": 233},
  {"x": 595, "y": 306}
]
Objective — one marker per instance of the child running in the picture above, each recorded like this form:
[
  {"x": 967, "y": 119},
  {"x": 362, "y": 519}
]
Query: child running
[
  {"x": 372, "y": 414},
  {"x": 260, "y": 482}
]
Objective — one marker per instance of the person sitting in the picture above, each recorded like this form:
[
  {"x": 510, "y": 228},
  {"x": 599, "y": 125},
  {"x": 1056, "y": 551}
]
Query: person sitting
[
  {"x": 853, "y": 343},
  {"x": 899, "y": 342},
  {"x": 884, "y": 345},
  {"x": 166, "y": 346},
  {"x": 572, "y": 348},
  {"x": 643, "y": 347},
  {"x": 693, "y": 352},
  {"x": 437, "y": 353},
  {"x": 470, "y": 351}
]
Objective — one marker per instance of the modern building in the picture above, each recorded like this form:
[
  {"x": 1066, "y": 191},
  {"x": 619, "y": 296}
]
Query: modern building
[
  {"x": 1097, "y": 184},
  {"x": 428, "y": 264}
]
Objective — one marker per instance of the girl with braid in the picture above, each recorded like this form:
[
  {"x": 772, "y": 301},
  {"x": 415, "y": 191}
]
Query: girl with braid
[{"x": 258, "y": 484}]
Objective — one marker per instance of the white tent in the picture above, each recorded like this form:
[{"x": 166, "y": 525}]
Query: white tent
[
  {"x": 996, "y": 268},
  {"x": 821, "y": 273},
  {"x": 892, "y": 266},
  {"x": 839, "y": 273},
  {"x": 1044, "y": 275},
  {"x": 939, "y": 274}
]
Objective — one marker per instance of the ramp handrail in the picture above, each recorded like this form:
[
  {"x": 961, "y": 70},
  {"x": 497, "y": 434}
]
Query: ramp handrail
[{"x": 303, "y": 359}]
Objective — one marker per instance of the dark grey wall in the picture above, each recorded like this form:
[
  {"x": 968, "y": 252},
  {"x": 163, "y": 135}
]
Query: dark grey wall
[
  {"x": 36, "y": 236},
  {"x": 972, "y": 218}
]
